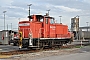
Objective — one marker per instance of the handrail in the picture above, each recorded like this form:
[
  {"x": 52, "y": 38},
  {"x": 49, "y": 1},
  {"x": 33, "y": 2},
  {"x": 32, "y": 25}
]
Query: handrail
[{"x": 39, "y": 35}]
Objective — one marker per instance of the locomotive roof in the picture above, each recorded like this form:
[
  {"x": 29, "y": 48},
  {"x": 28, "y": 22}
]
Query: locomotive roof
[{"x": 41, "y": 16}]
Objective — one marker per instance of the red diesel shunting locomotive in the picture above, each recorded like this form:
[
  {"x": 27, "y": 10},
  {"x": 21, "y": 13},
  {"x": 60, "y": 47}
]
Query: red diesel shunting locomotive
[{"x": 42, "y": 31}]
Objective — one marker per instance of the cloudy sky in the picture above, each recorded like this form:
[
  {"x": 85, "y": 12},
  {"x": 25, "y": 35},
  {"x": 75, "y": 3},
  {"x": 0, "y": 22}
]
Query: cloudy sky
[{"x": 66, "y": 8}]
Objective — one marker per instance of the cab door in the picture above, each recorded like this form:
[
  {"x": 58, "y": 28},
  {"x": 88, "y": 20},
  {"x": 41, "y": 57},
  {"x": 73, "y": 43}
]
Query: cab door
[{"x": 46, "y": 27}]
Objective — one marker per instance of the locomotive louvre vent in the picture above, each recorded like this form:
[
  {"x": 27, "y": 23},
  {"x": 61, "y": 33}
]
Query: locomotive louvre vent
[{"x": 24, "y": 24}]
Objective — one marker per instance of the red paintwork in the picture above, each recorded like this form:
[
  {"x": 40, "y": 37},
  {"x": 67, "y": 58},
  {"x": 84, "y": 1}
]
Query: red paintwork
[{"x": 43, "y": 29}]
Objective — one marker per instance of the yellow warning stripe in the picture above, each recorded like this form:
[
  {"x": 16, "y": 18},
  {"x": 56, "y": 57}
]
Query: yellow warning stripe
[{"x": 5, "y": 56}]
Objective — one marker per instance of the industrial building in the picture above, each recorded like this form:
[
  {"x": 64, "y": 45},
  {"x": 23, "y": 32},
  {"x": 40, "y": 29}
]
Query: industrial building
[
  {"x": 75, "y": 26},
  {"x": 79, "y": 32},
  {"x": 6, "y": 35},
  {"x": 86, "y": 31}
]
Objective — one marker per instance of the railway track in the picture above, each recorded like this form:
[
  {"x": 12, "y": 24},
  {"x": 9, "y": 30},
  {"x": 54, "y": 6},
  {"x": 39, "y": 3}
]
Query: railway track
[
  {"x": 25, "y": 51},
  {"x": 16, "y": 52}
]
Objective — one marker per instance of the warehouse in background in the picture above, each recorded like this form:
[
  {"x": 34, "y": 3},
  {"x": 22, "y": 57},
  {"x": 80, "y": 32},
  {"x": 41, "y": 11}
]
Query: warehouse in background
[
  {"x": 86, "y": 31},
  {"x": 6, "y": 36},
  {"x": 79, "y": 32}
]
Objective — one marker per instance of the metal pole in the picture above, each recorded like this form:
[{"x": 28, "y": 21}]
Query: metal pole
[
  {"x": 60, "y": 18},
  {"x": 18, "y": 22},
  {"x": 11, "y": 32},
  {"x": 80, "y": 34},
  {"x": 87, "y": 25},
  {"x": 81, "y": 42},
  {"x": 29, "y": 10},
  {"x": 48, "y": 11},
  {"x": 4, "y": 19},
  {"x": 4, "y": 25},
  {"x": 7, "y": 26},
  {"x": 11, "y": 26}
]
